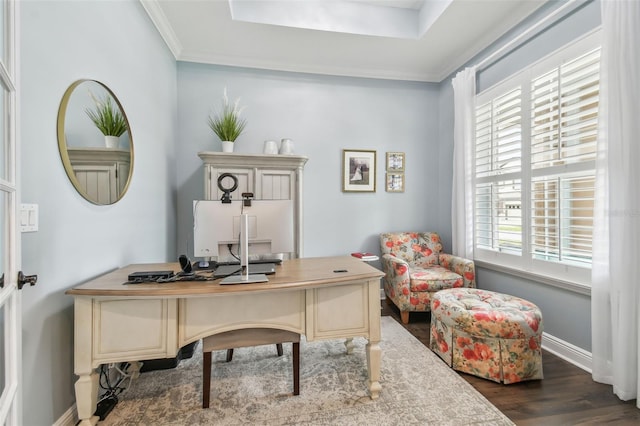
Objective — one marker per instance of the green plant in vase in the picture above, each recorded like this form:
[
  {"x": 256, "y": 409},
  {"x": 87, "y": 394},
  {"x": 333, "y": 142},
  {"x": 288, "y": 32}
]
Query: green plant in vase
[
  {"x": 108, "y": 118},
  {"x": 227, "y": 123}
]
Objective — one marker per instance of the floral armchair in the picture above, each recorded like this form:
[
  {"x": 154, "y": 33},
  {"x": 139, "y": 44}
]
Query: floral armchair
[{"x": 415, "y": 268}]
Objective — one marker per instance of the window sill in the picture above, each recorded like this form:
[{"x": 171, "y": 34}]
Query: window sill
[{"x": 554, "y": 282}]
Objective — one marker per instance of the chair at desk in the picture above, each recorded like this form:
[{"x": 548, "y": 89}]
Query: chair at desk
[
  {"x": 245, "y": 338},
  {"x": 230, "y": 352}
]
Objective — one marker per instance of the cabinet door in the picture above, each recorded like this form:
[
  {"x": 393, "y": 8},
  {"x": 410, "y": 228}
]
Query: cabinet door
[
  {"x": 351, "y": 300},
  {"x": 150, "y": 324},
  {"x": 123, "y": 176},
  {"x": 245, "y": 182},
  {"x": 98, "y": 181},
  {"x": 275, "y": 185}
]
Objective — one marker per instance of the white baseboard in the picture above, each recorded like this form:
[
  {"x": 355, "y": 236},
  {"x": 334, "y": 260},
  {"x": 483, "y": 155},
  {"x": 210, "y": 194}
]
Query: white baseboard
[
  {"x": 69, "y": 418},
  {"x": 565, "y": 350}
]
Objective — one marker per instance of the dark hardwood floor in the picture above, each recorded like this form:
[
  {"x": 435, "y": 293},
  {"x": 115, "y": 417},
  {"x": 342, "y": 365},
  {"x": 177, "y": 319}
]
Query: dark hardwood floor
[{"x": 566, "y": 396}]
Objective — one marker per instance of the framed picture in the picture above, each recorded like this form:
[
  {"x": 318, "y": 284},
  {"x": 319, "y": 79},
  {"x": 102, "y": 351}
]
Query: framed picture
[
  {"x": 358, "y": 170},
  {"x": 395, "y": 161},
  {"x": 395, "y": 182}
]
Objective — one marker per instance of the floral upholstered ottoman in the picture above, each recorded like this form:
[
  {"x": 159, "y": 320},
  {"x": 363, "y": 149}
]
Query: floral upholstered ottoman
[{"x": 490, "y": 335}]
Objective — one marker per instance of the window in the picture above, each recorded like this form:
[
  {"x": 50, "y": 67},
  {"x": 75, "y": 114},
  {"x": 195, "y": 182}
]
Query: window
[{"x": 534, "y": 168}]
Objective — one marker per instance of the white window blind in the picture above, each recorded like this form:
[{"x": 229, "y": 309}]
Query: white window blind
[
  {"x": 498, "y": 156},
  {"x": 498, "y": 135},
  {"x": 564, "y": 113},
  {"x": 534, "y": 174},
  {"x": 564, "y": 121}
]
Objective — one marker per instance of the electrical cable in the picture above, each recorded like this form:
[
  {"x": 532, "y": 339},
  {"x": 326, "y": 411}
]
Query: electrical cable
[
  {"x": 115, "y": 389},
  {"x": 180, "y": 276}
]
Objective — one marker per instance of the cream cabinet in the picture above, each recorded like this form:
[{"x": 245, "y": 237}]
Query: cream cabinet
[
  {"x": 268, "y": 177},
  {"x": 102, "y": 173}
]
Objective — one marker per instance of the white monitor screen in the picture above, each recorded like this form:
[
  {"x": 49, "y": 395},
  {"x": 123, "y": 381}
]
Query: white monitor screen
[{"x": 217, "y": 225}]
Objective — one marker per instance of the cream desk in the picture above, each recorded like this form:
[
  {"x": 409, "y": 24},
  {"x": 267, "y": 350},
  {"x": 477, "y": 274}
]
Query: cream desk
[{"x": 117, "y": 323}]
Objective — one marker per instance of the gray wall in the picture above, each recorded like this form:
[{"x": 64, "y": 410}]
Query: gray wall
[
  {"x": 115, "y": 43},
  {"x": 322, "y": 115},
  {"x": 567, "y": 315}
]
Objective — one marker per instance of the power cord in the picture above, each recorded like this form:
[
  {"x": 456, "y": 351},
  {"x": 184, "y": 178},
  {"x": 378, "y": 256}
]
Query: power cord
[
  {"x": 109, "y": 398},
  {"x": 230, "y": 246}
]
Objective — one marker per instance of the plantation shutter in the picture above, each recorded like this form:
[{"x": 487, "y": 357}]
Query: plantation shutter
[
  {"x": 498, "y": 163},
  {"x": 564, "y": 111},
  {"x": 499, "y": 135}
]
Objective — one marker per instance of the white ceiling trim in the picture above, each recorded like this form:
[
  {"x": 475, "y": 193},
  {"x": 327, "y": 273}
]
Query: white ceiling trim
[
  {"x": 480, "y": 44},
  {"x": 208, "y": 58},
  {"x": 439, "y": 63},
  {"x": 161, "y": 22}
]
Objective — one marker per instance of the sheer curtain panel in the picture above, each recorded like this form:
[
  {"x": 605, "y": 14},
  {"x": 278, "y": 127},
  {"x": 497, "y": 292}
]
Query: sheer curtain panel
[
  {"x": 615, "y": 295},
  {"x": 464, "y": 118}
]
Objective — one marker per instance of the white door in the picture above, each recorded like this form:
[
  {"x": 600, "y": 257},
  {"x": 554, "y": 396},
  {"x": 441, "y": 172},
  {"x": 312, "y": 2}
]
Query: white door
[{"x": 10, "y": 302}]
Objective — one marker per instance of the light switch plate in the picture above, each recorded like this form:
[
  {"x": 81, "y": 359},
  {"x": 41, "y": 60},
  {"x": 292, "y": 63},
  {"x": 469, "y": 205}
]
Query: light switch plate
[{"x": 28, "y": 217}]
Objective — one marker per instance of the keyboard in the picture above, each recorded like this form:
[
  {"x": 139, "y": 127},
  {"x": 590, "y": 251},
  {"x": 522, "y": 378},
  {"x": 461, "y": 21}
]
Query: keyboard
[{"x": 252, "y": 262}]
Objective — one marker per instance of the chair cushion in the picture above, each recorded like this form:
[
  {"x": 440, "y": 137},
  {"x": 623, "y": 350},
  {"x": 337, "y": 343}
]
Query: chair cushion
[
  {"x": 433, "y": 278},
  {"x": 488, "y": 313},
  {"x": 417, "y": 248}
]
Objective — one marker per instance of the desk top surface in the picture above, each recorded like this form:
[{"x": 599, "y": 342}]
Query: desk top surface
[{"x": 291, "y": 274}]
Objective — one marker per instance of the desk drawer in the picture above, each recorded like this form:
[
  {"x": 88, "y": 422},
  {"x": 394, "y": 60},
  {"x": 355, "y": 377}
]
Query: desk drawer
[{"x": 201, "y": 317}]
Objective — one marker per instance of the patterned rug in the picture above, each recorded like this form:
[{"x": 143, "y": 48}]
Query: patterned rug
[{"x": 257, "y": 388}]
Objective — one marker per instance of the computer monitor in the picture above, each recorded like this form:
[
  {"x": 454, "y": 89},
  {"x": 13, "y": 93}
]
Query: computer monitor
[{"x": 216, "y": 226}]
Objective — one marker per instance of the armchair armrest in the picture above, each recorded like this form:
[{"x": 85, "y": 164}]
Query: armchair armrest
[
  {"x": 461, "y": 266},
  {"x": 396, "y": 279}
]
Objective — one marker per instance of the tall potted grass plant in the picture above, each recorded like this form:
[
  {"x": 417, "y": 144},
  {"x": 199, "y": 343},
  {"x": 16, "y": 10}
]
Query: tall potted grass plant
[
  {"x": 227, "y": 123},
  {"x": 108, "y": 118}
]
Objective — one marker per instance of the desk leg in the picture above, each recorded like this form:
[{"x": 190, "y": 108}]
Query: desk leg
[
  {"x": 87, "y": 398},
  {"x": 87, "y": 383},
  {"x": 134, "y": 369},
  {"x": 349, "y": 345},
  {"x": 374, "y": 357},
  {"x": 374, "y": 351}
]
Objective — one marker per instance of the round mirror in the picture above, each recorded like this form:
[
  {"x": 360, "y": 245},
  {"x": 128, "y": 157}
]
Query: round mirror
[{"x": 94, "y": 139}]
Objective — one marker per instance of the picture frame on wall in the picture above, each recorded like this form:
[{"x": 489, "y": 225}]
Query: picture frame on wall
[
  {"x": 395, "y": 161},
  {"x": 395, "y": 182},
  {"x": 358, "y": 170}
]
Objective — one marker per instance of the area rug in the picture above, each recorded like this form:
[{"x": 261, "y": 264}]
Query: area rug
[{"x": 256, "y": 388}]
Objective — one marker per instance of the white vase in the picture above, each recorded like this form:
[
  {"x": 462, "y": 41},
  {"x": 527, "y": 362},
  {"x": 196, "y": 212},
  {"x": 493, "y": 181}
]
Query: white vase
[
  {"x": 286, "y": 147},
  {"x": 111, "y": 141},
  {"x": 227, "y": 146},
  {"x": 270, "y": 147}
]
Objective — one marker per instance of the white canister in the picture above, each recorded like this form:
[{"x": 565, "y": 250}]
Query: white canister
[
  {"x": 270, "y": 147},
  {"x": 286, "y": 146}
]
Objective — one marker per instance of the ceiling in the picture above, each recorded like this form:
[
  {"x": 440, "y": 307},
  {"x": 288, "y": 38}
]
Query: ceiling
[{"x": 415, "y": 40}]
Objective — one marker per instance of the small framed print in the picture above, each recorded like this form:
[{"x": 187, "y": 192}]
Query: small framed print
[
  {"x": 358, "y": 170},
  {"x": 395, "y": 182},
  {"x": 395, "y": 161}
]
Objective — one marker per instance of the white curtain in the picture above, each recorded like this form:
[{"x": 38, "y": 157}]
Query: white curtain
[
  {"x": 464, "y": 93},
  {"x": 615, "y": 294}
]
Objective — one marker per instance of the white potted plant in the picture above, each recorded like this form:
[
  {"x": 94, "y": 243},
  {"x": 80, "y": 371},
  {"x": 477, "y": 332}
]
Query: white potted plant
[
  {"x": 108, "y": 118},
  {"x": 227, "y": 124}
]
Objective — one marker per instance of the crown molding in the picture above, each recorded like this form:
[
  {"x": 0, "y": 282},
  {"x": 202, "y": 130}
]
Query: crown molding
[
  {"x": 205, "y": 58},
  {"x": 161, "y": 22}
]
